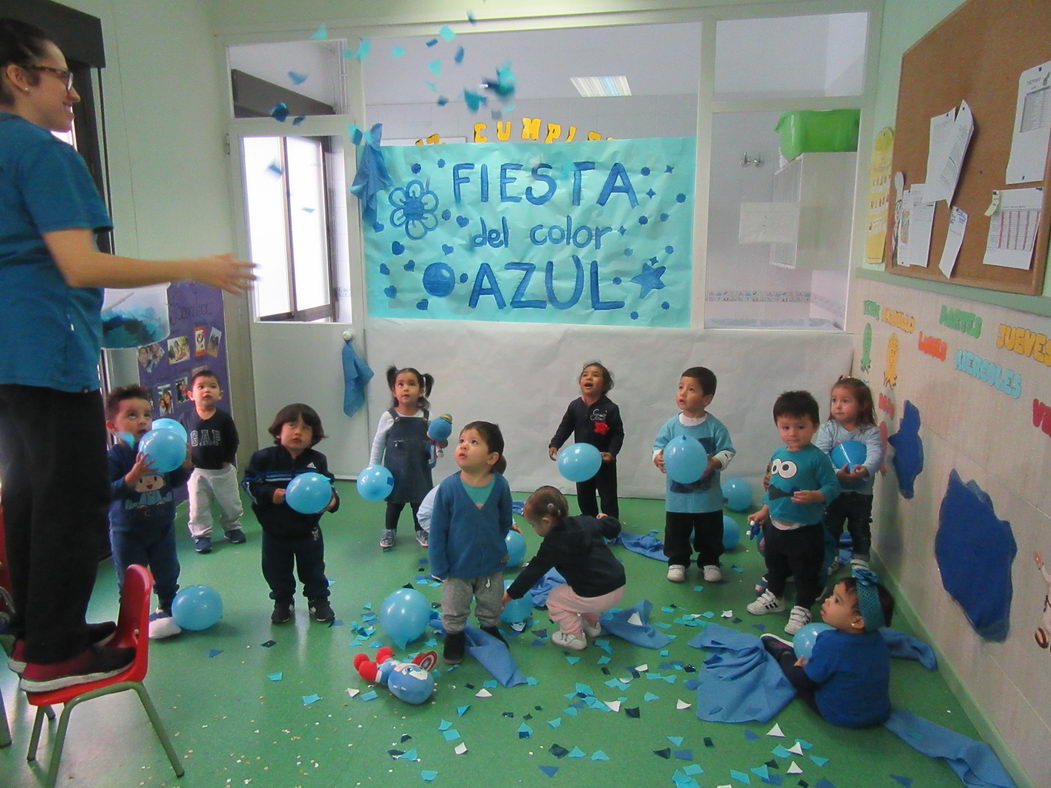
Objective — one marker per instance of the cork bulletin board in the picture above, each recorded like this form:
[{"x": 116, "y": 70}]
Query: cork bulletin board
[{"x": 976, "y": 54}]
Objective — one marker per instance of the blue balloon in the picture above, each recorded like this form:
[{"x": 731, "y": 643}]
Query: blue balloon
[
  {"x": 439, "y": 279},
  {"x": 517, "y": 610},
  {"x": 197, "y": 607},
  {"x": 731, "y": 532},
  {"x": 375, "y": 483},
  {"x": 684, "y": 460},
  {"x": 404, "y": 615},
  {"x": 579, "y": 462},
  {"x": 737, "y": 494},
  {"x": 171, "y": 424},
  {"x": 806, "y": 638},
  {"x": 165, "y": 449},
  {"x": 309, "y": 493},
  {"x": 516, "y": 547},
  {"x": 847, "y": 453},
  {"x": 441, "y": 428},
  {"x": 410, "y": 683}
]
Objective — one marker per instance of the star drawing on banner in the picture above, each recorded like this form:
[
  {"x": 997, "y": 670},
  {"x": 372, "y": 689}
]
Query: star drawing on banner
[{"x": 649, "y": 278}]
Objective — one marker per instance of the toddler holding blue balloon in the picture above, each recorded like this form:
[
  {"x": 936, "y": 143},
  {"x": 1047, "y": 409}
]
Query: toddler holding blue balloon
[
  {"x": 469, "y": 525},
  {"x": 593, "y": 418},
  {"x": 576, "y": 547},
  {"x": 402, "y": 446},
  {"x": 291, "y": 537},
  {"x": 852, "y": 417},
  {"x": 845, "y": 674},
  {"x": 694, "y": 509},
  {"x": 142, "y": 508}
]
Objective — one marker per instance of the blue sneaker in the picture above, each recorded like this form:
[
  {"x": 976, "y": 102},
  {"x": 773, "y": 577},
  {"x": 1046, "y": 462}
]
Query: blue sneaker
[
  {"x": 202, "y": 544},
  {"x": 236, "y": 536}
]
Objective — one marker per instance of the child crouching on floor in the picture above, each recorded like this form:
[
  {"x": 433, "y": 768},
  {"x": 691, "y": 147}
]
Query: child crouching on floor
[
  {"x": 847, "y": 677},
  {"x": 576, "y": 547}
]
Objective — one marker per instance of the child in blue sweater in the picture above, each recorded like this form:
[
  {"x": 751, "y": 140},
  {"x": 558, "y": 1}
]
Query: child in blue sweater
[{"x": 471, "y": 518}]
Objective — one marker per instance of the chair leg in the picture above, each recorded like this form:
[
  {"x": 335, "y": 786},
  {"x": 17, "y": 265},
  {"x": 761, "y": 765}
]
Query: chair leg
[
  {"x": 159, "y": 728},
  {"x": 34, "y": 740},
  {"x": 58, "y": 743},
  {"x": 5, "y": 729}
]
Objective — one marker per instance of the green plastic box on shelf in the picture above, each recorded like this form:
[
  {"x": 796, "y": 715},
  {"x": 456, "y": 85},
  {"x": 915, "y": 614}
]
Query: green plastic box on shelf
[{"x": 810, "y": 131}]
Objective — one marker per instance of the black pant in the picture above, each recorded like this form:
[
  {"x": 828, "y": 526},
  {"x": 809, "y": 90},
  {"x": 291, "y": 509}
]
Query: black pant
[
  {"x": 798, "y": 553},
  {"x": 605, "y": 482},
  {"x": 707, "y": 532},
  {"x": 856, "y": 509},
  {"x": 308, "y": 555},
  {"x": 804, "y": 686},
  {"x": 394, "y": 513},
  {"x": 55, "y": 495}
]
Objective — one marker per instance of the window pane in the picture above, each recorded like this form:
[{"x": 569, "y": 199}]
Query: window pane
[
  {"x": 790, "y": 57},
  {"x": 306, "y": 203},
  {"x": 305, "y": 76},
  {"x": 267, "y": 230}
]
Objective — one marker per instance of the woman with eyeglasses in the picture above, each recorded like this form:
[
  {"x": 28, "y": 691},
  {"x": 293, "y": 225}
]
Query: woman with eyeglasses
[{"x": 53, "y": 471}]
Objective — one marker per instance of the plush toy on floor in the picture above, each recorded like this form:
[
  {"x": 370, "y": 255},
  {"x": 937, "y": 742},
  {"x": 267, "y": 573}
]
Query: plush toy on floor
[{"x": 411, "y": 682}]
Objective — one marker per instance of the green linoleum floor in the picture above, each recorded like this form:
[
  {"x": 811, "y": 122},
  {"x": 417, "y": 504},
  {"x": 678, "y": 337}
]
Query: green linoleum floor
[{"x": 233, "y": 725}]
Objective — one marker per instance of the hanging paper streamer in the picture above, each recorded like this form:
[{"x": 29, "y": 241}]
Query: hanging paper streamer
[
  {"x": 372, "y": 174},
  {"x": 584, "y": 232}
]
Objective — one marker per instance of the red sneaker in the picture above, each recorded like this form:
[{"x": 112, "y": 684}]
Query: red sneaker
[
  {"x": 98, "y": 635},
  {"x": 92, "y": 664}
]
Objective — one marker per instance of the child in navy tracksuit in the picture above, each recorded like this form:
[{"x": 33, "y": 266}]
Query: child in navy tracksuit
[
  {"x": 291, "y": 537},
  {"x": 401, "y": 445},
  {"x": 594, "y": 419},
  {"x": 142, "y": 511},
  {"x": 471, "y": 518}
]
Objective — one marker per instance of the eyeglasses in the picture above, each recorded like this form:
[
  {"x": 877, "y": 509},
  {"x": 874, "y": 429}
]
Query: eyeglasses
[{"x": 64, "y": 75}]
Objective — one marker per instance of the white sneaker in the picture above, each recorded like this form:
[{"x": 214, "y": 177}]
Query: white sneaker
[
  {"x": 162, "y": 625},
  {"x": 858, "y": 563},
  {"x": 712, "y": 574},
  {"x": 677, "y": 573},
  {"x": 591, "y": 631},
  {"x": 765, "y": 603},
  {"x": 572, "y": 642},
  {"x": 797, "y": 619}
]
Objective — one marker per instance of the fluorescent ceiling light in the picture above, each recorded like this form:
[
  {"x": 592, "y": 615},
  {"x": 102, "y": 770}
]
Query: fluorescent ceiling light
[{"x": 598, "y": 87}]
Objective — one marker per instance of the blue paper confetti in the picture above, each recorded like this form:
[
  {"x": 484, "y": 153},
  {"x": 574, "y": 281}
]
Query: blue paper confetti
[
  {"x": 308, "y": 699},
  {"x": 298, "y": 78},
  {"x": 275, "y": 676},
  {"x": 279, "y": 112},
  {"x": 524, "y": 731},
  {"x": 549, "y": 770},
  {"x": 458, "y": 57},
  {"x": 447, "y": 33},
  {"x": 397, "y": 52},
  {"x": 321, "y": 33},
  {"x": 214, "y": 652},
  {"x": 598, "y": 755},
  {"x": 370, "y": 695},
  {"x": 428, "y": 775},
  {"x": 451, "y": 735}
]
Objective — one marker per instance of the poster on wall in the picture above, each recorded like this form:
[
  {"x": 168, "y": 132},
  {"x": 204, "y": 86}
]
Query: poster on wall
[{"x": 584, "y": 232}]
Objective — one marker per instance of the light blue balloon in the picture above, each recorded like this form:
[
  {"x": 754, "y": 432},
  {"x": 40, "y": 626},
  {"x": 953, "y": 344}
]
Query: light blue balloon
[
  {"x": 197, "y": 607},
  {"x": 806, "y": 637},
  {"x": 517, "y": 610},
  {"x": 516, "y": 547},
  {"x": 375, "y": 483},
  {"x": 731, "y": 532},
  {"x": 847, "y": 453},
  {"x": 309, "y": 493},
  {"x": 404, "y": 615},
  {"x": 737, "y": 494},
  {"x": 165, "y": 449},
  {"x": 684, "y": 460},
  {"x": 171, "y": 424},
  {"x": 579, "y": 462}
]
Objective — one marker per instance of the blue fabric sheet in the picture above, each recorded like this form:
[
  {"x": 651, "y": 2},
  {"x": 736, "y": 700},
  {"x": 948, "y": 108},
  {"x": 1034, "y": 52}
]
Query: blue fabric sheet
[
  {"x": 543, "y": 587},
  {"x": 974, "y": 762},
  {"x": 907, "y": 647},
  {"x": 615, "y": 622},
  {"x": 356, "y": 375},
  {"x": 741, "y": 682},
  {"x": 494, "y": 656},
  {"x": 372, "y": 176},
  {"x": 646, "y": 544}
]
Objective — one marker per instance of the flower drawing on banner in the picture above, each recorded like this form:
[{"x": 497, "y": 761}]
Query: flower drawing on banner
[{"x": 414, "y": 209}]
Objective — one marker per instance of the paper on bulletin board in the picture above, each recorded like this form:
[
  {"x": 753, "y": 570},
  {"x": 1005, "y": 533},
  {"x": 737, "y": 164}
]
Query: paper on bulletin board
[
  {"x": 942, "y": 178},
  {"x": 1032, "y": 126},
  {"x": 939, "y": 140},
  {"x": 768, "y": 222},
  {"x": 953, "y": 241},
  {"x": 1012, "y": 231},
  {"x": 903, "y": 226},
  {"x": 921, "y": 223}
]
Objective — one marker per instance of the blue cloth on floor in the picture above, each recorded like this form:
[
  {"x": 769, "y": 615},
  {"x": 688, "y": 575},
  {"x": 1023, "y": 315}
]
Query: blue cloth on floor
[
  {"x": 494, "y": 656},
  {"x": 974, "y": 762},
  {"x": 543, "y": 587},
  {"x": 644, "y": 544},
  {"x": 741, "y": 682},
  {"x": 356, "y": 375},
  {"x": 615, "y": 622},
  {"x": 907, "y": 647}
]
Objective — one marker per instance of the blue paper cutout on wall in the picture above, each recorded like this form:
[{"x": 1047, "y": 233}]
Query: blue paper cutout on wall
[
  {"x": 908, "y": 450},
  {"x": 975, "y": 550}
]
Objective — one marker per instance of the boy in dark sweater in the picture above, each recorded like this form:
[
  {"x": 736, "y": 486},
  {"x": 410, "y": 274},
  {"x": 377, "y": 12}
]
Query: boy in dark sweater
[
  {"x": 142, "y": 512},
  {"x": 576, "y": 547},
  {"x": 213, "y": 449}
]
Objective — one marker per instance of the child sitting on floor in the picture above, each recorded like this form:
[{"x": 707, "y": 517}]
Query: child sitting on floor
[{"x": 847, "y": 677}]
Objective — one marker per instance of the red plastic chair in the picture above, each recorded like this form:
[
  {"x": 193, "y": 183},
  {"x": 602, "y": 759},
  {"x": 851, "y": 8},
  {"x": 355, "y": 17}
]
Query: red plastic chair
[{"x": 133, "y": 626}]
